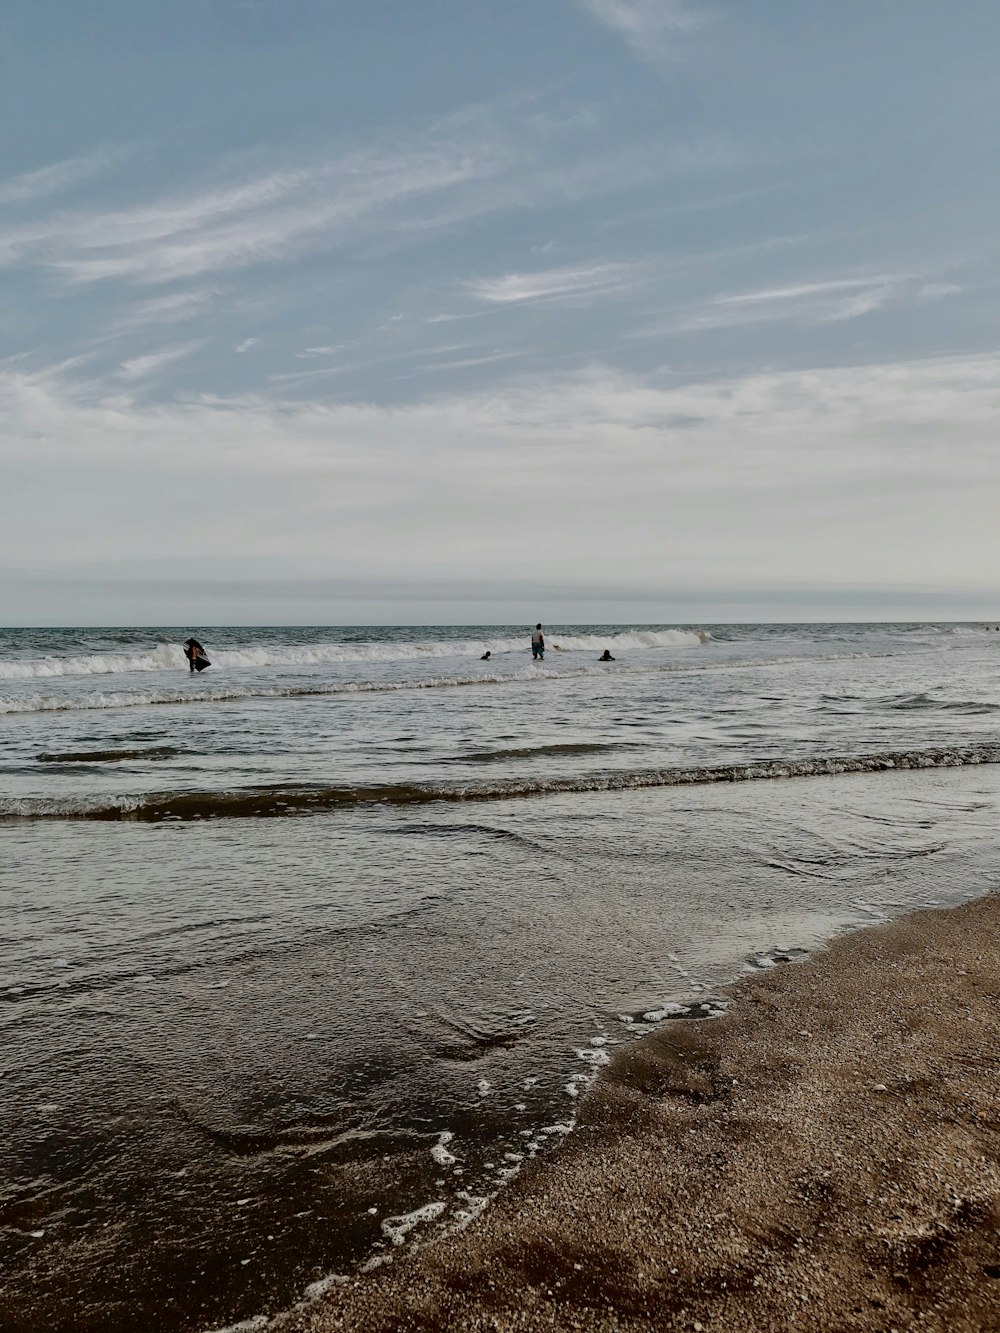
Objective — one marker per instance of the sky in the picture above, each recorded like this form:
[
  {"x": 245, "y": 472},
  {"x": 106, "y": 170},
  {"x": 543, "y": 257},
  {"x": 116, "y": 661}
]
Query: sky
[{"x": 489, "y": 311}]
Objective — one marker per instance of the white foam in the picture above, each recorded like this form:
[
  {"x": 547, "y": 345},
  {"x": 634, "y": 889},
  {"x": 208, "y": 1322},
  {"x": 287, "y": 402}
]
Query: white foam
[
  {"x": 324, "y": 1284},
  {"x": 396, "y": 1229},
  {"x": 376, "y": 1261},
  {"x": 258, "y": 1321},
  {"x": 658, "y": 1015},
  {"x": 164, "y": 657},
  {"x": 560, "y": 1127},
  {"x": 635, "y": 638},
  {"x": 440, "y": 1153},
  {"x": 593, "y": 1057},
  {"x": 475, "y": 1204}
]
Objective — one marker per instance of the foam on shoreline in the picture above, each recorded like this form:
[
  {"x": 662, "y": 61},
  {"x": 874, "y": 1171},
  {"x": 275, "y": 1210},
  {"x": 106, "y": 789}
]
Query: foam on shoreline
[{"x": 823, "y": 1156}]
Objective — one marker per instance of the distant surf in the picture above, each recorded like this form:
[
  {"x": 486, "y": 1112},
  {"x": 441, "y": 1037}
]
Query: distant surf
[{"x": 170, "y": 657}]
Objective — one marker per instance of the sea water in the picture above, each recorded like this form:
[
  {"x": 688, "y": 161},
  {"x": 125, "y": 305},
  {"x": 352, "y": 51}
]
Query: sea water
[{"x": 306, "y": 955}]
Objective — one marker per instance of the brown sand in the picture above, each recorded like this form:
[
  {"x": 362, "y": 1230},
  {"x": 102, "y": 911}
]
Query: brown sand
[{"x": 823, "y": 1158}]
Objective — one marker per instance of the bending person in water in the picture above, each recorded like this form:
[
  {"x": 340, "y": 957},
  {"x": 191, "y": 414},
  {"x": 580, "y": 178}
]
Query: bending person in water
[
  {"x": 606, "y": 656},
  {"x": 538, "y": 642},
  {"x": 486, "y": 656},
  {"x": 195, "y": 654}
]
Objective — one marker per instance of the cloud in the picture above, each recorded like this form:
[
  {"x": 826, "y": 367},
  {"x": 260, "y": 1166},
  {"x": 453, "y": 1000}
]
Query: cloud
[
  {"x": 394, "y": 192},
  {"x": 461, "y": 364},
  {"x": 807, "y": 303},
  {"x": 271, "y": 217},
  {"x": 142, "y": 367},
  {"x": 552, "y": 283},
  {"x": 651, "y": 27},
  {"x": 246, "y": 344},
  {"x": 177, "y": 308},
  {"x": 935, "y": 291},
  {"x": 445, "y": 318},
  {"x": 794, "y": 293},
  {"x": 305, "y": 376},
  {"x": 817, "y": 302},
  {"x": 875, "y": 414},
  {"x": 57, "y": 177},
  {"x": 399, "y": 354},
  {"x": 848, "y": 472}
]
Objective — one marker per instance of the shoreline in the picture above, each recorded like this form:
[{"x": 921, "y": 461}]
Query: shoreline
[{"x": 826, "y": 1156}]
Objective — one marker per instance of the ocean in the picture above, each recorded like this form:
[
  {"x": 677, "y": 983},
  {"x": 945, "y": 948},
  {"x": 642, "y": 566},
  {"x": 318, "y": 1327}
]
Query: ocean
[{"x": 305, "y": 956}]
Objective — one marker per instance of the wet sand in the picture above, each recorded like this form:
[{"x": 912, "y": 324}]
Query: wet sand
[{"x": 825, "y": 1157}]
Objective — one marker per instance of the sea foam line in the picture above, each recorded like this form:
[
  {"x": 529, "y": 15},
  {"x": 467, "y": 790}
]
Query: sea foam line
[{"x": 276, "y": 802}]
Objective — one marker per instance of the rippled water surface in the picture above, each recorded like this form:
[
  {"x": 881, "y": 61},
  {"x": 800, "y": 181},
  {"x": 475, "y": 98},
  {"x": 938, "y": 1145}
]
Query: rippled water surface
[{"x": 305, "y": 955}]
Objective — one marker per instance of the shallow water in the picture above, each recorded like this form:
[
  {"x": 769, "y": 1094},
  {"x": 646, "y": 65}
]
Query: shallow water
[
  {"x": 235, "y": 1047},
  {"x": 97, "y": 721}
]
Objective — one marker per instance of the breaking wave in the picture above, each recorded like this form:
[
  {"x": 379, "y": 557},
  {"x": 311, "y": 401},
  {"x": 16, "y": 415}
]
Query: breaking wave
[
  {"x": 170, "y": 657},
  {"x": 196, "y": 690},
  {"x": 272, "y": 802}
]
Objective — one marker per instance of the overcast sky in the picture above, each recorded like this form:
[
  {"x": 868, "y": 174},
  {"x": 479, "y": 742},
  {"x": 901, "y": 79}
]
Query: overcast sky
[{"x": 487, "y": 310}]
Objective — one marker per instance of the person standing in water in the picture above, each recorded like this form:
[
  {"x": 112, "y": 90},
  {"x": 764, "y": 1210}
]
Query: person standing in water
[
  {"x": 195, "y": 654},
  {"x": 538, "y": 642}
]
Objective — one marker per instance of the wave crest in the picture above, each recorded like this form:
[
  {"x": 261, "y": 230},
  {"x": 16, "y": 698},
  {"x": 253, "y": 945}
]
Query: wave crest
[{"x": 272, "y": 802}]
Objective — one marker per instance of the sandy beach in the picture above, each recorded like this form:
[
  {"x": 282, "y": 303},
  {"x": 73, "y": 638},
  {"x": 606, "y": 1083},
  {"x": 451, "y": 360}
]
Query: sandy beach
[{"x": 824, "y": 1157}]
